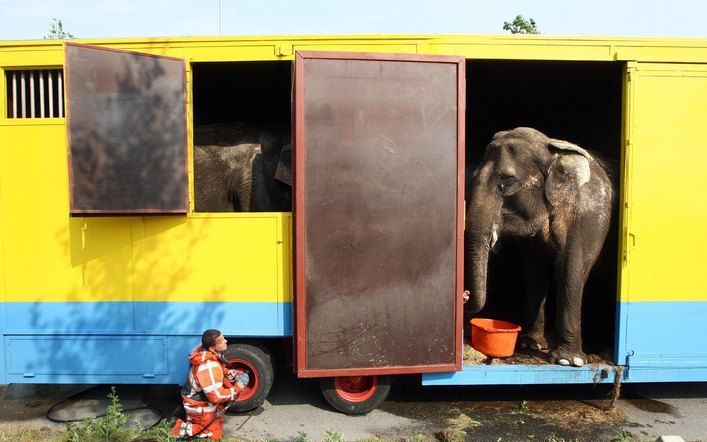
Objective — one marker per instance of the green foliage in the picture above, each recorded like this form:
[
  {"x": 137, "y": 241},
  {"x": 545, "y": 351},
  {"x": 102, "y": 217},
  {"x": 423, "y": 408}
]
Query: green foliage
[
  {"x": 161, "y": 432},
  {"x": 622, "y": 437},
  {"x": 521, "y": 25},
  {"x": 109, "y": 428},
  {"x": 112, "y": 427},
  {"x": 333, "y": 436},
  {"x": 301, "y": 437},
  {"x": 523, "y": 406},
  {"x": 416, "y": 437},
  {"x": 57, "y": 32},
  {"x": 378, "y": 439},
  {"x": 554, "y": 438}
]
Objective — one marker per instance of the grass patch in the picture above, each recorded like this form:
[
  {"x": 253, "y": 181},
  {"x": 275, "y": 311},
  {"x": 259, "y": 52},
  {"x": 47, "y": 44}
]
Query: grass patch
[
  {"x": 622, "y": 437},
  {"x": 333, "y": 436},
  {"x": 301, "y": 437},
  {"x": 560, "y": 439},
  {"x": 10, "y": 432},
  {"x": 112, "y": 427},
  {"x": 457, "y": 428}
]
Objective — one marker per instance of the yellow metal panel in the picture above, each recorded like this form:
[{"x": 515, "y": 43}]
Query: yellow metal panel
[
  {"x": 49, "y": 53},
  {"x": 627, "y": 124},
  {"x": 189, "y": 87},
  {"x": 667, "y": 215},
  {"x": 2, "y": 246},
  {"x": 35, "y": 57},
  {"x": 381, "y": 46},
  {"x": 49, "y": 257},
  {"x": 528, "y": 50},
  {"x": 3, "y": 105},
  {"x": 231, "y": 52},
  {"x": 228, "y": 257}
]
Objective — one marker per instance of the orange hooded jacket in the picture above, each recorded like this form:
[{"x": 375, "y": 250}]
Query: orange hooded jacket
[{"x": 207, "y": 381}]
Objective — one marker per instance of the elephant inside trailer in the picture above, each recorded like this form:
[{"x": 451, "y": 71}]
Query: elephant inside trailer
[{"x": 343, "y": 233}]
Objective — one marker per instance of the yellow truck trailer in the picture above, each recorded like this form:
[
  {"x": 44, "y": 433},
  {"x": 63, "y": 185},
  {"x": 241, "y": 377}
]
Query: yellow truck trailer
[{"x": 135, "y": 283}]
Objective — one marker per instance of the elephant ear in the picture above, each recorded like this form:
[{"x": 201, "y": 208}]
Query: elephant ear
[
  {"x": 568, "y": 171},
  {"x": 284, "y": 165}
]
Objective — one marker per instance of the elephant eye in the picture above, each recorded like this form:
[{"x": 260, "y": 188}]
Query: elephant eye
[{"x": 509, "y": 185}]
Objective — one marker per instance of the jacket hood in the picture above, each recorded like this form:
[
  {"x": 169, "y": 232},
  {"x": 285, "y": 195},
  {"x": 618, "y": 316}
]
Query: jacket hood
[{"x": 199, "y": 356}]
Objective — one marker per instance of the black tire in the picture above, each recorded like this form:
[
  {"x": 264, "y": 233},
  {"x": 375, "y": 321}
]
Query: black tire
[
  {"x": 333, "y": 396},
  {"x": 265, "y": 349},
  {"x": 259, "y": 360}
]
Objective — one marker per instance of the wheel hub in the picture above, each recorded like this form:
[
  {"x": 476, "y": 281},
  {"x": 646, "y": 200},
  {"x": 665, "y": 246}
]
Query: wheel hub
[{"x": 356, "y": 388}]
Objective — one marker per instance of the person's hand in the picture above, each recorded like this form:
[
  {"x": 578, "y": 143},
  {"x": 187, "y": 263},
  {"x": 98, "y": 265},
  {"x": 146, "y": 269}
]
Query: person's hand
[{"x": 231, "y": 375}]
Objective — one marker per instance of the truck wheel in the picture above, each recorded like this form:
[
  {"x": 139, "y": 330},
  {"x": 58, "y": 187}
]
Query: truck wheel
[
  {"x": 355, "y": 394},
  {"x": 255, "y": 362}
]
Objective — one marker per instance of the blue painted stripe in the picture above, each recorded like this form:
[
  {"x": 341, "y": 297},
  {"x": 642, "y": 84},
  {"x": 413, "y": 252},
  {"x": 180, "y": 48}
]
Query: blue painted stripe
[
  {"x": 662, "y": 335},
  {"x": 98, "y": 359},
  {"x": 122, "y": 342},
  {"x": 520, "y": 375},
  {"x": 555, "y": 374},
  {"x": 642, "y": 374},
  {"x": 148, "y": 318}
]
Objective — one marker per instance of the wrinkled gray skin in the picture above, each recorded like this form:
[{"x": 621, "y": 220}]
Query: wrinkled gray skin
[
  {"x": 556, "y": 195},
  {"x": 241, "y": 168}
]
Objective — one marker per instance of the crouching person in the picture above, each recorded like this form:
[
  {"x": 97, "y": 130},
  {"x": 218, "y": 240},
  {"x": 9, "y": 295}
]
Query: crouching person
[{"x": 209, "y": 387}]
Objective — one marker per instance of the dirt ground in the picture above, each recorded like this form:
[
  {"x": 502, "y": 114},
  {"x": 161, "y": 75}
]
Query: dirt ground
[{"x": 412, "y": 412}]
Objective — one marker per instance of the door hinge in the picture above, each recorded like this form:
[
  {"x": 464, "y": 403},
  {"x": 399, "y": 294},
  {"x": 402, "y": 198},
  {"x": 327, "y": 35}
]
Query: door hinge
[
  {"x": 628, "y": 364},
  {"x": 283, "y": 50}
]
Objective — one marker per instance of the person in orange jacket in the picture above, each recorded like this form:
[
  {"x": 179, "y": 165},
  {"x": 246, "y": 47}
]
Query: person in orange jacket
[{"x": 209, "y": 386}]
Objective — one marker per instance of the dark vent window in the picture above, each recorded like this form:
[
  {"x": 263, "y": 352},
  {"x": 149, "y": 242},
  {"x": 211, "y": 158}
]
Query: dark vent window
[{"x": 35, "y": 93}]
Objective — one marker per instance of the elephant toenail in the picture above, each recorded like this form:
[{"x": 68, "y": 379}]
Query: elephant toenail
[
  {"x": 564, "y": 362},
  {"x": 577, "y": 362}
]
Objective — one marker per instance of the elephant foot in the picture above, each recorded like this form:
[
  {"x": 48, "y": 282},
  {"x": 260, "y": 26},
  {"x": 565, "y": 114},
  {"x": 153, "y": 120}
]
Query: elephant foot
[
  {"x": 533, "y": 341},
  {"x": 568, "y": 356}
]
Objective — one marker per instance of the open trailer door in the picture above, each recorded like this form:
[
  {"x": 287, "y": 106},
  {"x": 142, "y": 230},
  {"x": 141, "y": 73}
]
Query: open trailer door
[
  {"x": 379, "y": 209},
  {"x": 126, "y": 129}
]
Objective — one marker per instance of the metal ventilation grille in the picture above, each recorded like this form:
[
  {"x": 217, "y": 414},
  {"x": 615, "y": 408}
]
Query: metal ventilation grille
[{"x": 35, "y": 93}]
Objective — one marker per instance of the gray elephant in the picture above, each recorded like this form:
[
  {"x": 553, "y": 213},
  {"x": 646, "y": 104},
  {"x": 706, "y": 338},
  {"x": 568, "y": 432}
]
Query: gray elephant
[
  {"x": 242, "y": 168},
  {"x": 557, "y": 198}
]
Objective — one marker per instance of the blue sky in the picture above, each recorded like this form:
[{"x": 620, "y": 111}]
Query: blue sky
[{"x": 29, "y": 19}]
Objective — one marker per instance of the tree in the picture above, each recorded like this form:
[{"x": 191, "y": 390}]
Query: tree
[
  {"x": 521, "y": 25},
  {"x": 56, "y": 31}
]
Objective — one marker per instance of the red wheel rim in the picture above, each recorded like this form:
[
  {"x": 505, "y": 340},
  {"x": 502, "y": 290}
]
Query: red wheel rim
[
  {"x": 244, "y": 366},
  {"x": 356, "y": 388}
]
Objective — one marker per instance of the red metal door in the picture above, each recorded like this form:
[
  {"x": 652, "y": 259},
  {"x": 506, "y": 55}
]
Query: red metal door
[{"x": 379, "y": 173}]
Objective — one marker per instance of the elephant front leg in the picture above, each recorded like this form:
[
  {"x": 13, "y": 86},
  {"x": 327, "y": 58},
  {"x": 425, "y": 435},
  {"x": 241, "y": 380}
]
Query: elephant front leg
[
  {"x": 536, "y": 271},
  {"x": 571, "y": 276}
]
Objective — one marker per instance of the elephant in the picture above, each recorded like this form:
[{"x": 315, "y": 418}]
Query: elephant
[
  {"x": 242, "y": 168},
  {"x": 556, "y": 198}
]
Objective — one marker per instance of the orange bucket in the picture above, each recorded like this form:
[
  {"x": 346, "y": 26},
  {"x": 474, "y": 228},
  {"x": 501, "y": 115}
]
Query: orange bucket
[{"x": 493, "y": 337}]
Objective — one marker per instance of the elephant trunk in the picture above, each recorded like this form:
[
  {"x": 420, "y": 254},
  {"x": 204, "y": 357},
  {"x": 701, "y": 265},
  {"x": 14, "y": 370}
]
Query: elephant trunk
[
  {"x": 480, "y": 237},
  {"x": 477, "y": 257}
]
